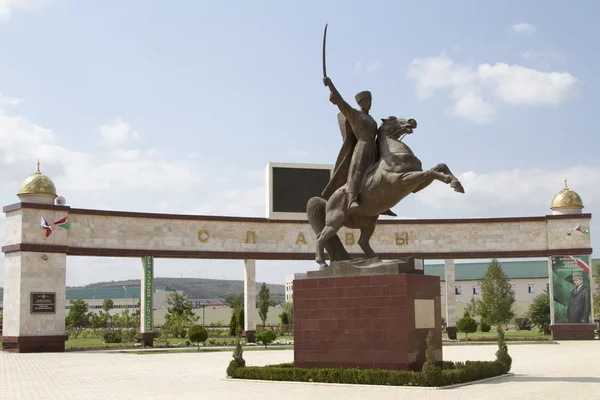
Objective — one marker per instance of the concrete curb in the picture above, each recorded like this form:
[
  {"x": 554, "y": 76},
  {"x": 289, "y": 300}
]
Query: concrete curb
[{"x": 373, "y": 386}]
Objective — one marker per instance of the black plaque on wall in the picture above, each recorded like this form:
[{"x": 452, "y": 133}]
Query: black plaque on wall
[
  {"x": 293, "y": 187},
  {"x": 43, "y": 303}
]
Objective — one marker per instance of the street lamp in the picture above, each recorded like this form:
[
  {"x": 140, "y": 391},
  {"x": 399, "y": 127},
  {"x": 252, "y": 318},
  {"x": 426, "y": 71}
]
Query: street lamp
[{"x": 125, "y": 295}]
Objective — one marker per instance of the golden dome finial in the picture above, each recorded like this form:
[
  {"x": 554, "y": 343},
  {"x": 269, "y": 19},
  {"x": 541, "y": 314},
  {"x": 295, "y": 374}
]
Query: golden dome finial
[
  {"x": 567, "y": 198},
  {"x": 37, "y": 183}
]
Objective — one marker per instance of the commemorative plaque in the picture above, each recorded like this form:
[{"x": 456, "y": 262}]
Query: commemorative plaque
[{"x": 43, "y": 303}]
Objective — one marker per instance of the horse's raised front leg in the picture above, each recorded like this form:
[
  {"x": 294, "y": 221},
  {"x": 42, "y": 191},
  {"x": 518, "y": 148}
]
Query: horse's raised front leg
[
  {"x": 421, "y": 179},
  {"x": 454, "y": 182},
  {"x": 365, "y": 235}
]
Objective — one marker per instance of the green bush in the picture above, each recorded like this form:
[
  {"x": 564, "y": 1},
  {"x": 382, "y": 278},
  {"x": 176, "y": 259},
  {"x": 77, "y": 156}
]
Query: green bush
[
  {"x": 484, "y": 326},
  {"x": 459, "y": 373},
  {"x": 265, "y": 336},
  {"x": 130, "y": 335},
  {"x": 198, "y": 334},
  {"x": 233, "y": 324},
  {"x": 502, "y": 355},
  {"x": 467, "y": 325},
  {"x": 430, "y": 372},
  {"x": 238, "y": 361},
  {"x": 112, "y": 335}
]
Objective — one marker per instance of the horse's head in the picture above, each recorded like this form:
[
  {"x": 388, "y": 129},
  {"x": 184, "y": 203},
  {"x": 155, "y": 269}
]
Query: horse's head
[{"x": 393, "y": 127}]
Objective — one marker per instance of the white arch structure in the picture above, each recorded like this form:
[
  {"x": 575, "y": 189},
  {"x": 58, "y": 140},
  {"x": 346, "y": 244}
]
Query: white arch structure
[{"x": 36, "y": 264}]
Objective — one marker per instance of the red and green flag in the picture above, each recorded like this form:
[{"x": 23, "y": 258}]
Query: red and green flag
[
  {"x": 582, "y": 230},
  {"x": 63, "y": 223}
]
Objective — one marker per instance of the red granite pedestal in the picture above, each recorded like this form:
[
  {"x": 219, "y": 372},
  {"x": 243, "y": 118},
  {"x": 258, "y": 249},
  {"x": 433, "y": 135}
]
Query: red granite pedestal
[
  {"x": 573, "y": 331},
  {"x": 377, "y": 321}
]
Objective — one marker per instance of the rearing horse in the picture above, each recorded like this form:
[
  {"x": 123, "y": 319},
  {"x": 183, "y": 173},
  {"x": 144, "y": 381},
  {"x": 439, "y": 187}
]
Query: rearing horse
[{"x": 396, "y": 174}]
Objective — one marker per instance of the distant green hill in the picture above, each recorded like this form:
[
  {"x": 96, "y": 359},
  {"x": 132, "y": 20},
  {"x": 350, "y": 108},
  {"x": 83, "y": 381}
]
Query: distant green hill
[{"x": 196, "y": 288}]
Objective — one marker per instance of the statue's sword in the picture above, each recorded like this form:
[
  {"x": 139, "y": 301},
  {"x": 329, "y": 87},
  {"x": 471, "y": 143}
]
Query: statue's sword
[{"x": 324, "y": 64}]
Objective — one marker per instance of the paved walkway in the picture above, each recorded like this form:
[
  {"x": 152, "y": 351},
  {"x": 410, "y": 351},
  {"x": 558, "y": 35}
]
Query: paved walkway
[{"x": 558, "y": 371}]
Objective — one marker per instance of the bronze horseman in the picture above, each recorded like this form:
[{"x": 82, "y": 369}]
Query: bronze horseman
[{"x": 373, "y": 172}]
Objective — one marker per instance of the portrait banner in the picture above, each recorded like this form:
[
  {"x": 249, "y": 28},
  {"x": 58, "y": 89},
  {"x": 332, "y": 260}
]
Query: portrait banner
[{"x": 571, "y": 288}]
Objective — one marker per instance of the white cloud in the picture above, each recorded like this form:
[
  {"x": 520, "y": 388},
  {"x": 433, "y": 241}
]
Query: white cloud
[
  {"x": 472, "y": 107},
  {"x": 523, "y": 28},
  {"x": 517, "y": 85},
  {"x": 474, "y": 87},
  {"x": 7, "y": 7},
  {"x": 512, "y": 192},
  {"x": 23, "y": 142},
  {"x": 117, "y": 132},
  {"x": 7, "y": 102}
]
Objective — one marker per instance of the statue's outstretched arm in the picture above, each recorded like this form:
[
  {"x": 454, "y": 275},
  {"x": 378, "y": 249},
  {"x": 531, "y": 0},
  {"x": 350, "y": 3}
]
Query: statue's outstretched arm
[{"x": 337, "y": 99}]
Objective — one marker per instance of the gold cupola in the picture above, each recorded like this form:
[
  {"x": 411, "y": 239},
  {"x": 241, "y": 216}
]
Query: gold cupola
[
  {"x": 37, "y": 188},
  {"x": 566, "y": 201}
]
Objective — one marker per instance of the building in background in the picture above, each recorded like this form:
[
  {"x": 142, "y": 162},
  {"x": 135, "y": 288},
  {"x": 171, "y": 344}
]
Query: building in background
[{"x": 289, "y": 284}]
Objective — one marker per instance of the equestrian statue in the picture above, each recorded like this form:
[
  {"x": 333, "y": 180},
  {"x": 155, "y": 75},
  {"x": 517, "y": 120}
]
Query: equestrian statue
[{"x": 374, "y": 171}]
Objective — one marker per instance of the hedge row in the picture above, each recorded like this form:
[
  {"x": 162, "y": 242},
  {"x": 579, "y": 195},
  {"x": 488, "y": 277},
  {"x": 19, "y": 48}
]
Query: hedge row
[{"x": 450, "y": 374}]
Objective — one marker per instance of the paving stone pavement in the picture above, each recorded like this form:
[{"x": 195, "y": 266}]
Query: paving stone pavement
[{"x": 542, "y": 371}]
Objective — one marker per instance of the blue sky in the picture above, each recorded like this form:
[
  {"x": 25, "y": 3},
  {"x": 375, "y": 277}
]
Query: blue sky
[{"x": 177, "y": 107}]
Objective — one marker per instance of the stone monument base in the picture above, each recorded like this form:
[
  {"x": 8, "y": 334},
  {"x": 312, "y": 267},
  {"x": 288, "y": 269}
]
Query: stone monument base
[
  {"x": 573, "y": 331},
  {"x": 147, "y": 338},
  {"x": 367, "y": 321},
  {"x": 249, "y": 335},
  {"x": 34, "y": 344}
]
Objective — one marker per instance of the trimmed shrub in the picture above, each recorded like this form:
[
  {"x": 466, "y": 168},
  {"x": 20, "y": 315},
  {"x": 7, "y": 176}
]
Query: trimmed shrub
[
  {"x": 467, "y": 325},
  {"x": 484, "y": 326},
  {"x": 460, "y": 373},
  {"x": 198, "y": 334},
  {"x": 130, "y": 336},
  {"x": 238, "y": 361},
  {"x": 233, "y": 324},
  {"x": 502, "y": 355},
  {"x": 112, "y": 335},
  {"x": 430, "y": 372},
  {"x": 265, "y": 336}
]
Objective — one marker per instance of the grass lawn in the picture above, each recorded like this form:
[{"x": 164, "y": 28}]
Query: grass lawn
[
  {"x": 81, "y": 343},
  {"x": 535, "y": 335}
]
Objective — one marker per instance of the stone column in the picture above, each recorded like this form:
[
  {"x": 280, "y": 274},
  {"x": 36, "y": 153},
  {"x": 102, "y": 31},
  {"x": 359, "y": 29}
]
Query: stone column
[
  {"x": 34, "y": 302},
  {"x": 450, "y": 300},
  {"x": 147, "y": 333},
  {"x": 249, "y": 300}
]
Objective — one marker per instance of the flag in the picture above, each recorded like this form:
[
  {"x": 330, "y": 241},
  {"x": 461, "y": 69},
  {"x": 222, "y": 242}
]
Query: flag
[
  {"x": 580, "y": 229},
  {"x": 63, "y": 223},
  {"x": 46, "y": 227}
]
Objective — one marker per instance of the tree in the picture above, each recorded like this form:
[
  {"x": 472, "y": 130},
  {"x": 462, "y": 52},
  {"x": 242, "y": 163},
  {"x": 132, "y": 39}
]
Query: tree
[
  {"x": 288, "y": 307},
  {"x": 240, "y": 323},
  {"x": 78, "y": 313},
  {"x": 466, "y": 325},
  {"x": 497, "y": 297},
  {"x": 198, "y": 334},
  {"x": 539, "y": 312},
  {"x": 179, "y": 314},
  {"x": 107, "y": 305},
  {"x": 235, "y": 300},
  {"x": 0, "y": 320},
  {"x": 284, "y": 318},
  {"x": 233, "y": 323},
  {"x": 265, "y": 336},
  {"x": 473, "y": 306},
  {"x": 263, "y": 302}
]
